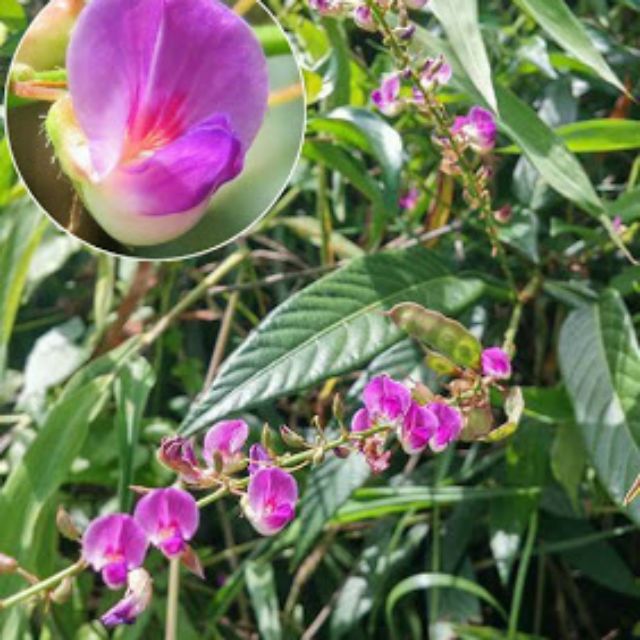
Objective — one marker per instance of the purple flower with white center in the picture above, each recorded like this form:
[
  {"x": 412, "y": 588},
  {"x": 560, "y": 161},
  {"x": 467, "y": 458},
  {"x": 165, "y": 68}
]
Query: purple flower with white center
[
  {"x": 270, "y": 502},
  {"x": 410, "y": 198},
  {"x": 405, "y": 32},
  {"x": 166, "y": 97},
  {"x": 136, "y": 600},
  {"x": 363, "y": 17},
  {"x": 417, "y": 429},
  {"x": 114, "y": 545},
  {"x": 226, "y": 439},
  {"x": 496, "y": 363},
  {"x": 387, "y": 96},
  {"x": 327, "y": 7},
  {"x": 259, "y": 458},
  {"x": 478, "y": 128},
  {"x": 435, "y": 73},
  {"x": 449, "y": 425},
  {"x": 386, "y": 401},
  {"x": 169, "y": 517}
]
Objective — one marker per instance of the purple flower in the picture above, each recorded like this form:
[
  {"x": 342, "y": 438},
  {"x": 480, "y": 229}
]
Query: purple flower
[
  {"x": 449, "y": 425},
  {"x": 270, "y": 500},
  {"x": 114, "y": 545},
  {"x": 169, "y": 517},
  {"x": 327, "y": 7},
  {"x": 386, "y": 400},
  {"x": 496, "y": 363},
  {"x": 225, "y": 438},
  {"x": 177, "y": 454},
  {"x": 410, "y": 198},
  {"x": 417, "y": 429},
  {"x": 363, "y": 17},
  {"x": 135, "y": 601},
  {"x": 166, "y": 97},
  {"x": 387, "y": 96},
  {"x": 435, "y": 73},
  {"x": 477, "y": 128},
  {"x": 258, "y": 458}
]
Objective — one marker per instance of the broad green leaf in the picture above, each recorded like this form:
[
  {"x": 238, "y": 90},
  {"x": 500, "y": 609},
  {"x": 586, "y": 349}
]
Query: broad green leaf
[
  {"x": 368, "y": 132},
  {"x": 568, "y": 459},
  {"x": 555, "y": 17},
  {"x": 340, "y": 70},
  {"x": 21, "y": 229},
  {"x": 596, "y": 136},
  {"x": 264, "y": 598},
  {"x": 459, "y": 19},
  {"x": 600, "y": 363},
  {"x": 438, "y": 332},
  {"x": 329, "y": 487},
  {"x": 132, "y": 387},
  {"x": 422, "y": 581},
  {"x": 333, "y": 326}
]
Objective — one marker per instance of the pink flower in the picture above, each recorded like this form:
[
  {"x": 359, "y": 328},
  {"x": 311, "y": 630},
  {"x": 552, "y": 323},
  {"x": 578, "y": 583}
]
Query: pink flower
[
  {"x": 449, "y": 425},
  {"x": 373, "y": 446},
  {"x": 387, "y": 96},
  {"x": 410, "y": 198},
  {"x": 258, "y": 458},
  {"x": 477, "y": 128},
  {"x": 363, "y": 17},
  {"x": 386, "y": 401},
  {"x": 114, "y": 545},
  {"x": 435, "y": 73},
  {"x": 177, "y": 454},
  {"x": 135, "y": 601},
  {"x": 496, "y": 363},
  {"x": 270, "y": 501},
  {"x": 417, "y": 429},
  {"x": 226, "y": 438},
  {"x": 165, "y": 99},
  {"x": 169, "y": 517},
  {"x": 327, "y": 7}
]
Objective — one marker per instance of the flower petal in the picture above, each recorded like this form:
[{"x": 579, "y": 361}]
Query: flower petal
[
  {"x": 226, "y": 437},
  {"x": 163, "y": 508}
]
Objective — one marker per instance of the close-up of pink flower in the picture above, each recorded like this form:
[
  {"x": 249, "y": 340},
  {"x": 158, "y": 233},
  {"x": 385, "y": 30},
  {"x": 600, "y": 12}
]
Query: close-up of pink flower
[
  {"x": 386, "y": 401},
  {"x": 165, "y": 99},
  {"x": 478, "y": 128},
  {"x": 448, "y": 427},
  {"x": 417, "y": 429},
  {"x": 136, "y": 599},
  {"x": 169, "y": 517},
  {"x": 436, "y": 72},
  {"x": 176, "y": 453},
  {"x": 496, "y": 363},
  {"x": 258, "y": 458},
  {"x": 363, "y": 17},
  {"x": 225, "y": 439},
  {"x": 114, "y": 545},
  {"x": 387, "y": 96},
  {"x": 270, "y": 502}
]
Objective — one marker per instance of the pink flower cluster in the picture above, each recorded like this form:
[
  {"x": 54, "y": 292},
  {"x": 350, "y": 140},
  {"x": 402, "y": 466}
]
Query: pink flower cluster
[{"x": 390, "y": 406}]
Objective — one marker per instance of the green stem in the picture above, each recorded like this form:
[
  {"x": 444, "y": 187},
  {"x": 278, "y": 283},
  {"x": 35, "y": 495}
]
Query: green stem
[
  {"x": 518, "y": 591},
  {"x": 44, "y": 585},
  {"x": 171, "y": 628}
]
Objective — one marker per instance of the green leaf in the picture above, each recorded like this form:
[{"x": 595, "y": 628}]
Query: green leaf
[
  {"x": 370, "y": 133},
  {"x": 568, "y": 459},
  {"x": 132, "y": 387},
  {"x": 12, "y": 14},
  {"x": 329, "y": 487},
  {"x": 627, "y": 206},
  {"x": 438, "y": 332},
  {"x": 21, "y": 229},
  {"x": 43, "y": 469},
  {"x": 596, "y": 136},
  {"x": 555, "y": 17},
  {"x": 333, "y": 326},
  {"x": 460, "y": 21},
  {"x": 423, "y": 581},
  {"x": 340, "y": 70},
  {"x": 262, "y": 591},
  {"x": 600, "y": 363}
]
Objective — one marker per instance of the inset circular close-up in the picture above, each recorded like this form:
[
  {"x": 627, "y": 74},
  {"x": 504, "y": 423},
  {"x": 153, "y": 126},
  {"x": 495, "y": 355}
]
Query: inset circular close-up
[{"x": 155, "y": 128}]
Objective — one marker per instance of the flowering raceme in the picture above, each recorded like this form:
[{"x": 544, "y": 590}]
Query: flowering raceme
[
  {"x": 477, "y": 128},
  {"x": 165, "y": 99}
]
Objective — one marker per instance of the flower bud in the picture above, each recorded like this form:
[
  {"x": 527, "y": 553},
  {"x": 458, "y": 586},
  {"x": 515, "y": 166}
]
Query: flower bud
[
  {"x": 62, "y": 592},
  {"x": 292, "y": 439},
  {"x": 66, "y": 525},
  {"x": 7, "y": 564}
]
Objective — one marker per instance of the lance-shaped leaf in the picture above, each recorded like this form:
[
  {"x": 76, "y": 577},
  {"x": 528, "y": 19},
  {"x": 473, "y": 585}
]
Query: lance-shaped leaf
[{"x": 438, "y": 332}]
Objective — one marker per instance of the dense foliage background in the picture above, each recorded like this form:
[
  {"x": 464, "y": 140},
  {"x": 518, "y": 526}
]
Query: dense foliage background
[{"x": 100, "y": 357}]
